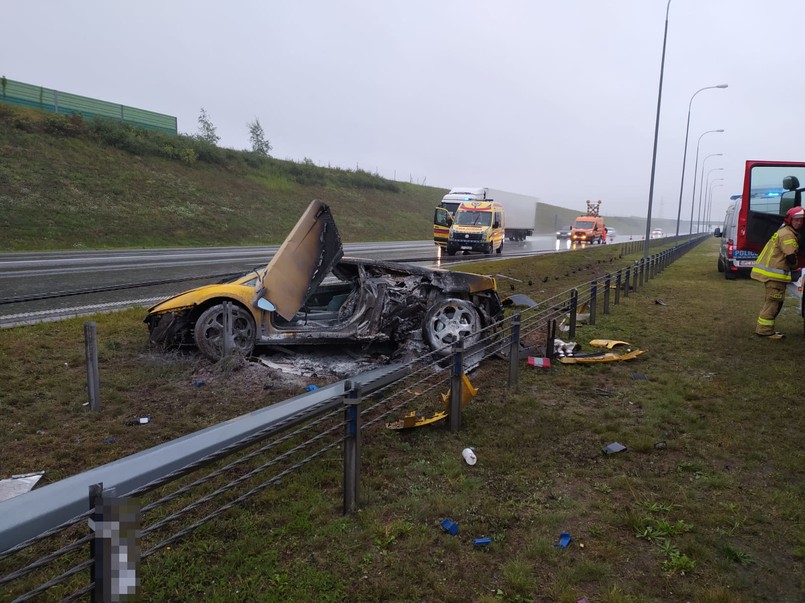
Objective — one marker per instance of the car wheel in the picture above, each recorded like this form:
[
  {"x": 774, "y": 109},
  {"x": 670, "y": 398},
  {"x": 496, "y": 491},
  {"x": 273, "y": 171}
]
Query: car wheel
[
  {"x": 499, "y": 250},
  {"x": 209, "y": 331},
  {"x": 449, "y": 320},
  {"x": 451, "y": 251},
  {"x": 720, "y": 264}
]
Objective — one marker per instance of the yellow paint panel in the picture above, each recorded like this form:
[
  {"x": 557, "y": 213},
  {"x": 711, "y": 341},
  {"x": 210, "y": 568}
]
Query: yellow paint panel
[
  {"x": 608, "y": 357},
  {"x": 607, "y": 343}
]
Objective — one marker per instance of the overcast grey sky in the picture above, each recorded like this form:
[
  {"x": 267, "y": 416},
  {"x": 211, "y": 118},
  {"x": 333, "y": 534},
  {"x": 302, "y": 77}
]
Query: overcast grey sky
[{"x": 555, "y": 99}]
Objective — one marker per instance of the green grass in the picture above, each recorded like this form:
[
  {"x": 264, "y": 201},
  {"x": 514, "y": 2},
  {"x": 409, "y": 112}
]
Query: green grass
[
  {"x": 705, "y": 505},
  {"x": 69, "y": 183}
]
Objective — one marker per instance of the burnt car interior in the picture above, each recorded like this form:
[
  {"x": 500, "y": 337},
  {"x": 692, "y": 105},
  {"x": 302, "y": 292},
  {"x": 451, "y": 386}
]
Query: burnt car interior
[{"x": 324, "y": 307}]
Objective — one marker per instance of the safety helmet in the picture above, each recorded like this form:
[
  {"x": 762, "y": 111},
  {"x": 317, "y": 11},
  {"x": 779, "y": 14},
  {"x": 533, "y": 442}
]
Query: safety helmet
[{"x": 794, "y": 212}]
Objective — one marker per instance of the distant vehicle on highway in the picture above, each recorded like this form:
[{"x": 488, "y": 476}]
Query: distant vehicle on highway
[
  {"x": 563, "y": 233},
  {"x": 611, "y": 233},
  {"x": 657, "y": 233}
]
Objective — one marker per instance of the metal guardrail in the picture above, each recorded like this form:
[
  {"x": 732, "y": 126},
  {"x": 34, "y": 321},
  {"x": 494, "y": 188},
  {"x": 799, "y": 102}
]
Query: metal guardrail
[{"x": 154, "y": 498}]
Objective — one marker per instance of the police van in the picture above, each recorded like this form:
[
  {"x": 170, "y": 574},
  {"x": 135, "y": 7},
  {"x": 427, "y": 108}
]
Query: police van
[{"x": 733, "y": 256}]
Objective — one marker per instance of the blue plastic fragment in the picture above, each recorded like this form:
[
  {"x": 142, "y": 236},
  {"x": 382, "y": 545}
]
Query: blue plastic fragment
[
  {"x": 450, "y": 526},
  {"x": 482, "y": 541},
  {"x": 198, "y": 382},
  {"x": 311, "y": 388},
  {"x": 564, "y": 540},
  {"x": 614, "y": 448}
]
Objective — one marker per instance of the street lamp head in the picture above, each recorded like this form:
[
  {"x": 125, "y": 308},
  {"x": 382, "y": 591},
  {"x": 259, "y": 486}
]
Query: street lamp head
[
  {"x": 718, "y": 130},
  {"x": 722, "y": 86}
]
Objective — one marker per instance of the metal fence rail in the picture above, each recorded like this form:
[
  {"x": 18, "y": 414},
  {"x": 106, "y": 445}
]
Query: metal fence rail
[
  {"x": 65, "y": 103},
  {"x": 150, "y": 500}
]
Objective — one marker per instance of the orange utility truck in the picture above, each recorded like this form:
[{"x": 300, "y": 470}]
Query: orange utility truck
[{"x": 589, "y": 227}]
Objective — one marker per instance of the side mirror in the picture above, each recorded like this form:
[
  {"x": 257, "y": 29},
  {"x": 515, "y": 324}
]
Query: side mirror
[
  {"x": 495, "y": 224},
  {"x": 717, "y": 232},
  {"x": 266, "y": 305}
]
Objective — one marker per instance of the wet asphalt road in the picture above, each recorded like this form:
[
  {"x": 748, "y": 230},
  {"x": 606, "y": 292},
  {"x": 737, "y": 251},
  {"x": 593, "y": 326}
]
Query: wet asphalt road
[{"x": 30, "y": 274}]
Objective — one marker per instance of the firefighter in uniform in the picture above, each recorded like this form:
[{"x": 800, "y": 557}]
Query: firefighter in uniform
[{"x": 773, "y": 268}]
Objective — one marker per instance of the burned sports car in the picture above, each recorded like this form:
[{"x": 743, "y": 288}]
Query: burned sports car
[{"x": 310, "y": 294}]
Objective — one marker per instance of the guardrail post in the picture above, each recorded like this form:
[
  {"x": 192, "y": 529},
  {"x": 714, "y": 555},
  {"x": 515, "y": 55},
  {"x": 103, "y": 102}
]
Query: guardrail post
[
  {"x": 93, "y": 378},
  {"x": 574, "y": 305},
  {"x": 227, "y": 334},
  {"x": 456, "y": 383},
  {"x": 607, "y": 287},
  {"x": 618, "y": 285},
  {"x": 593, "y": 301},
  {"x": 549, "y": 343},
  {"x": 115, "y": 549},
  {"x": 352, "y": 446},
  {"x": 635, "y": 273},
  {"x": 626, "y": 284},
  {"x": 514, "y": 351}
]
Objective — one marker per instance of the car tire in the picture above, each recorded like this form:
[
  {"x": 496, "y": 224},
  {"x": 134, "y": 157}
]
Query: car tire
[
  {"x": 208, "y": 331},
  {"x": 449, "y": 320},
  {"x": 451, "y": 251},
  {"x": 720, "y": 264},
  {"x": 499, "y": 250}
]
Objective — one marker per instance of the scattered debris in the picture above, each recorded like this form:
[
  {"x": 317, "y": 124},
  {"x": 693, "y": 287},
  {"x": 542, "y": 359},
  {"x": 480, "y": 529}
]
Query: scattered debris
[
  {"x": 613, "y": 448},
  {"x": 450, "y": 526},
  {"x": 564, "y": 540},
  {"x": 468, "y": 392},
  {"x": 659, "y": 302},
  {"x": 639, "y": 377},
  {"x": 312, "y": 388},
  {"x": 608, "y": 343},
  {"x": 198, "y": 382},
  {"x": 660, "y": 445},
  {"x": 562, "y": 349},
  {"x": 520, "y": 299},
  {"x": 469, "y": 456},
  {"x": 141, "y": 420},
  {"x": 18, "y": 484},
  {"x": 600, "y": 357},
  {"x": 110, "y": 440},
  {"x": 411, "y": 420},
  {"x": 482, "y": 541},
  {"x": 283, "y": 367},
  {"x": 539, "y": 362}
]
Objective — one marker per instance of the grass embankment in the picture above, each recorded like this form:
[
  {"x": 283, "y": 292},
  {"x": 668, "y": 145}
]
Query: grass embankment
[
  {"x": 706, "y": 504},
  {"x": 67, "y": 183}
]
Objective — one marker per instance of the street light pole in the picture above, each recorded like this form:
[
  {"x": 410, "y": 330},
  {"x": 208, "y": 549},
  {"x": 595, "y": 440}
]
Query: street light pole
[
  {"x": 656, "y": 132},
  {"x": 685, "y": 153},
  {"x": 701, "y": 189},
  {"x": 695, "y": 172}
]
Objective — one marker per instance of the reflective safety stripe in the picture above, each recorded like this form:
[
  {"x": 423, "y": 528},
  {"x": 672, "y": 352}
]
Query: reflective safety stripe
[
  {"x": 774, "y": 273},
  {"x": 762, "y": 267},
  {"x": 765, "y": 322}
]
